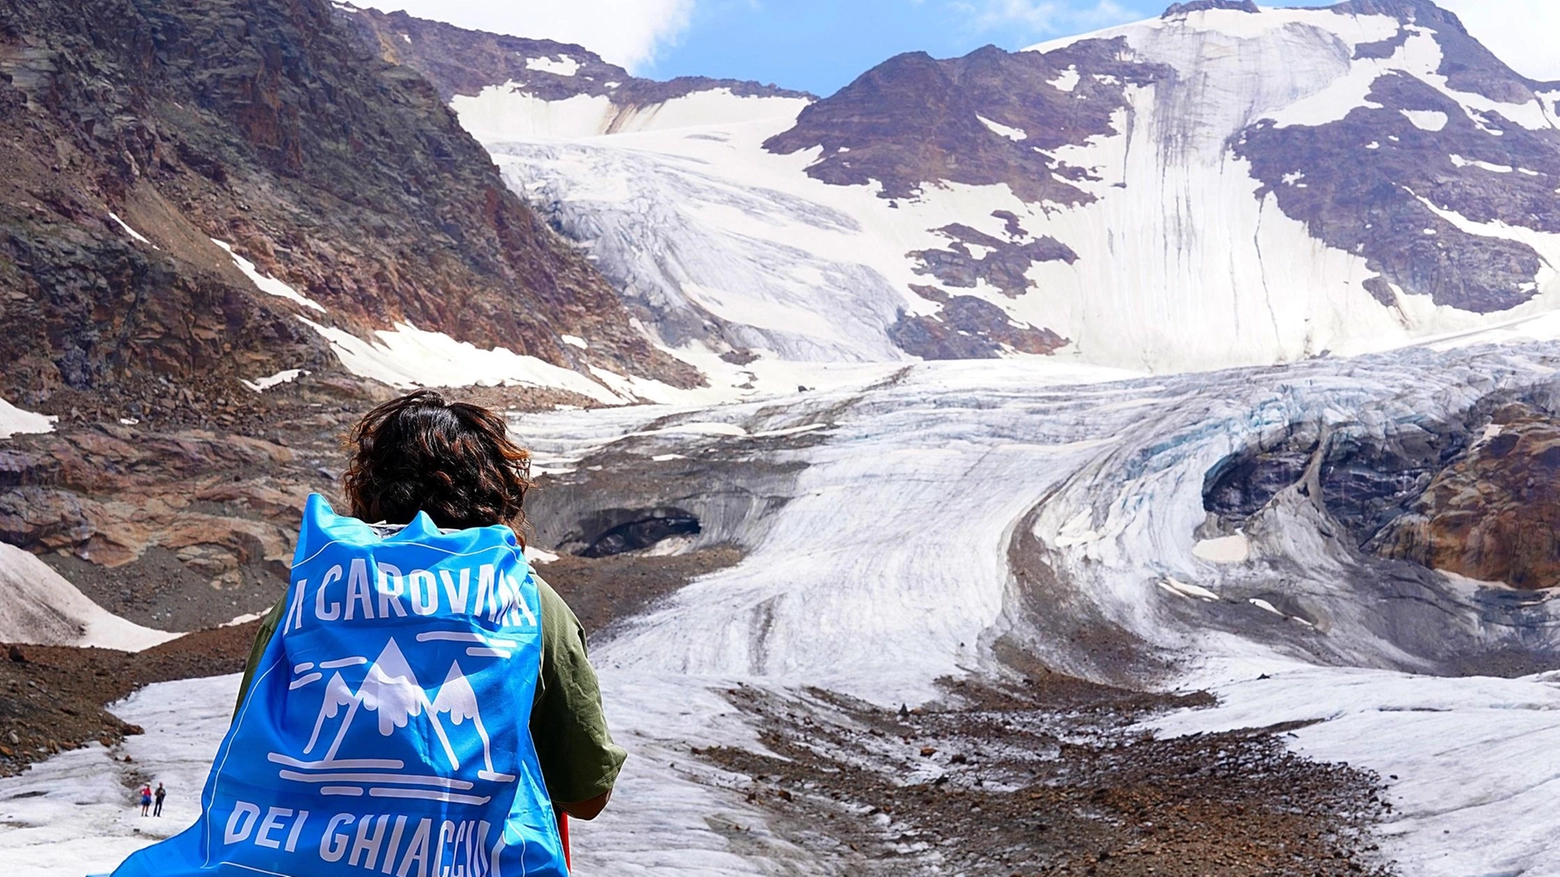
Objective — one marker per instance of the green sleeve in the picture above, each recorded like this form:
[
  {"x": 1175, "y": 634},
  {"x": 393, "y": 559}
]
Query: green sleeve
[
  {"x": 268, "y": 625},
  {"x": 579, "y": 760}
]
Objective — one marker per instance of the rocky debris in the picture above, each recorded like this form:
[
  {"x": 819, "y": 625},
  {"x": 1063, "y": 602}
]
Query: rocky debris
[
  {"x": 914, "y": 120},
  {"x": 1050, "y": 776},
  {"x": 56, "y": 699},
  {"x": 1493, "y": 515},
  {"x": 464, "y": 62}
]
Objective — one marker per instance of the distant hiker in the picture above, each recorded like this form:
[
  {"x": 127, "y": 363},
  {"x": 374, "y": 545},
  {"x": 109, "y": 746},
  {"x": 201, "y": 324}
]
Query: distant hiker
[
  {"x": 419, "y": 702},
  {"x": 159, "y": 795},
  {"x": 146, "y": 799}
]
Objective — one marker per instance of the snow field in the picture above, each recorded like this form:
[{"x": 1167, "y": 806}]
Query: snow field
[
  {"x": 77, "y": 813},
  {"x": 888, "y": 567},
  {"x": 45, "y": 609},
  {"x": 1182, "y": 267}
]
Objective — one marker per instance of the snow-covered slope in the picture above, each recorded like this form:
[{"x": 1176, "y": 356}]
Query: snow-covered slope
[
  {"x": 1220, "y": 186},
  {"x": 1011, "y": 504},
  {"x": 43, "y": 608}
]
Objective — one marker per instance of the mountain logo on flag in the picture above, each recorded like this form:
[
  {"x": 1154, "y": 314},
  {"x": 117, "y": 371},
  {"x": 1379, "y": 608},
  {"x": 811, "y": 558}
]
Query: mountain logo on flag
[{"x": 344, "y": 755}]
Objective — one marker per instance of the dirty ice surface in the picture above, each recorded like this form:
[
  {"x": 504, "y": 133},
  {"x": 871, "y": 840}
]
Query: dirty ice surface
[{"x": 892, "y": 561}]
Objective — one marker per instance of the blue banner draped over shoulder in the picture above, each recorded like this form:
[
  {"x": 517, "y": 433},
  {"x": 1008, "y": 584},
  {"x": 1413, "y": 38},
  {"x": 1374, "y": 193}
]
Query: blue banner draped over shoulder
[{"x": 387, "y": 727}]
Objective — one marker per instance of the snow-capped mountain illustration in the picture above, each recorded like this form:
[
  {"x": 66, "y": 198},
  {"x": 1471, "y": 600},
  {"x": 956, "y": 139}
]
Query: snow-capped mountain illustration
[
  {"x": 459, "y": 702},
  {"x": 391, "y": 691}
]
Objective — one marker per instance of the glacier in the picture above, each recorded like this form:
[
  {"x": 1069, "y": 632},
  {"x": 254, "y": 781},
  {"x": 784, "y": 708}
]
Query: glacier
[{"x": 978, "y": 476}]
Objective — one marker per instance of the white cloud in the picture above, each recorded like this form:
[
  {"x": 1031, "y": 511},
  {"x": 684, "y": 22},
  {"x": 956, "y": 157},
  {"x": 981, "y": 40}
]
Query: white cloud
[
  {"x": 626, "y": 32},
  {"x": 1045, "y": 17},
  {"x": 1520, "y": 32}
]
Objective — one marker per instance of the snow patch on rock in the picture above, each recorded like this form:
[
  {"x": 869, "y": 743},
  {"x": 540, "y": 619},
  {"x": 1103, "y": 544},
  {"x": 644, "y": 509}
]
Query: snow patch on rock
[
  {"x": 563, "y": 65},
  {"x": 17, "y": 421},
  {"x": 41, "y": 607},
  {"x": 1007, "y": 131},
  {"x": 265, "y": 282},
  {"x": 407, "y": 356},
  {"x": 260, "y": 385},
  {"x": 1068, "y": 79},
  {"x": 1427, "y": 120},
  {"x": 130, "y": 231}
]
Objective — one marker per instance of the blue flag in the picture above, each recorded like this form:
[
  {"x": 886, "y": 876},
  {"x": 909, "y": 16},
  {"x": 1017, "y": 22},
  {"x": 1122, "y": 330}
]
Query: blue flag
[{"x": 387, "y": 727}]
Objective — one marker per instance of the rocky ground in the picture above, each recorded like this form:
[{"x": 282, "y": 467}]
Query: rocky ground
[
  {"x": 1049, "y": 775},
  {"x": 54, "y": 698},
  {"x": 188, "y": 520}
]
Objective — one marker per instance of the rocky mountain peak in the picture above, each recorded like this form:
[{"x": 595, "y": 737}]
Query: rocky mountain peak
[
  {"x": 1206, "y": 5},
  {"x": 462, "y": 62}
]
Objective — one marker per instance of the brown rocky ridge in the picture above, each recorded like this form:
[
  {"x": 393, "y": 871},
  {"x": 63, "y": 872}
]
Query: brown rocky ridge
[
  {"x": 1476, "y": 494},
  {"x": 1494, "y": 514},
  {"x": 464, "y": 62},
  {"x": 269, "y": 126}
]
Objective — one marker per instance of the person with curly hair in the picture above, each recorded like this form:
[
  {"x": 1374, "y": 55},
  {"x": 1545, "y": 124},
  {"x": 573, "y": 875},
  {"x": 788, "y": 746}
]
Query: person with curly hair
[{"x": 455, "y": 462}]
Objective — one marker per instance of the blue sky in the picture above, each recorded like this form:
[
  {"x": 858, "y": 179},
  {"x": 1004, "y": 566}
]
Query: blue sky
[{"x": 821, "y": 45}]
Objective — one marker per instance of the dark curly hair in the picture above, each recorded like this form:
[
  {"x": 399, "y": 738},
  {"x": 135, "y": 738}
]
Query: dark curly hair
[{"x": 453, "y": 460}]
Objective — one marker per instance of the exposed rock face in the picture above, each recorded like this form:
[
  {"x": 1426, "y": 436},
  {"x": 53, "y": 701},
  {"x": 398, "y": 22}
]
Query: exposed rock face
[
  {"x": 1494, "y": 514},
  {"x": 1363, "y": 482},
  {"x": 1477, "y": 494},
  {"x": 1004, "y": 265},
  {"x": 1205, "y": 5},
  {"x": 269, "y": 126},
  {"x": 967, "y": 327},
  {"x": 464, "y": 62},
  {"x": 914, "y": 120},
  {"x": 1400, "y": 178}
]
